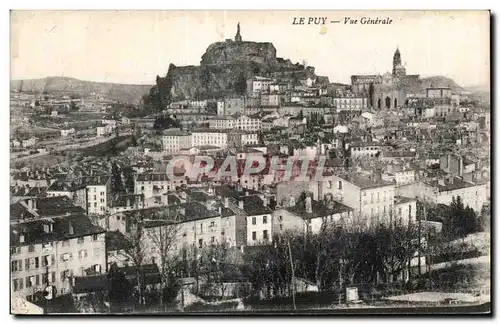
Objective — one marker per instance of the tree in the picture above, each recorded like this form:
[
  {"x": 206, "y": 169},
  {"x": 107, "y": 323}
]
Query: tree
[
  {"x": 116, "y": 178},
  {"x": 216, "y": 266},
  {"x": 396, "y": 246},
  {"x": 135, "y": 250},
  {"x": 128, "y": 174},
  {"x": 164, "y": 238},
  {"x": 119, "y": 288},
  {"x": 73, "y": 106}
]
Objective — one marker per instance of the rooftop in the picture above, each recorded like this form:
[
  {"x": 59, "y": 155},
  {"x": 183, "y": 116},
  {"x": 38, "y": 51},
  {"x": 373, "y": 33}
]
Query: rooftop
[
  {"x": 43, "y": 207},
  {"x": 365, "y": 182},
  {"x": 447, "y": 185},
  {"x": 319, "y": 209},
  {"x": 115, "y": 241},
  {"x": 64, "y": 228}
]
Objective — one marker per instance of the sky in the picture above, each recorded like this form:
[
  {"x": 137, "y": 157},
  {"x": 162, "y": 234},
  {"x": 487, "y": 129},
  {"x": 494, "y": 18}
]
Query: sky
[{"x": 135, "y": 46}]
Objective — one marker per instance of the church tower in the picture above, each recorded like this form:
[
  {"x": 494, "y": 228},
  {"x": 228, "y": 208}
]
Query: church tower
[
  {"x": 397, "y": 68},
  {"x": 237, "y": 38}
]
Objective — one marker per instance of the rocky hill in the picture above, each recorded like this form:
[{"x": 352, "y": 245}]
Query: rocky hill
[
  {"x": 223, "y": 70},
  {"x": 130, "y": 93}
]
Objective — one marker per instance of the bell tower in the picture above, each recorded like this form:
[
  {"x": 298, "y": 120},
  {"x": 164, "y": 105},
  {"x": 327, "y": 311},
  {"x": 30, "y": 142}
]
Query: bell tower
[
  {"x": 237, "y": 38},
  {"x": 396, "y": 60}
]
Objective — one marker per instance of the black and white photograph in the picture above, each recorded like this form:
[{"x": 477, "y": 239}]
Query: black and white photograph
[{"x": 250, "y": 162}]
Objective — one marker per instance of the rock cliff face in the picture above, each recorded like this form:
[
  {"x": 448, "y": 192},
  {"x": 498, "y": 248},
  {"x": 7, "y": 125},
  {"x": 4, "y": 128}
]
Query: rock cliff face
[
  {"x": 223, "y": 71},
  {"x": 229, "y": 51}
]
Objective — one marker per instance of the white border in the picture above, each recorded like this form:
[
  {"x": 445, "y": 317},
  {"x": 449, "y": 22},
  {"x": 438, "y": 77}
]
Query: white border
[{"x": 186, "y": 5}]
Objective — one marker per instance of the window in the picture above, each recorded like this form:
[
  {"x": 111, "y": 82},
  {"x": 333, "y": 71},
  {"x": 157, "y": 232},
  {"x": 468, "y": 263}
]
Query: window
[
  {"x": 37, "y": 280},
  {"x": 102, "y": 200},
  {"x": 254, "y": 221},
  {"x": 95, "y": 198},
  {"x": 30, "y": 281},
  {"x": 82, "y": 254},
  {"x": 31, "y": 248},
  {"x": 81, "y": 240},
  {"x": 142, "y": 188},
  {"x": 94, "y": 237},
  {"x": 371, "y": 197},
  {"x": 201, "y": 228},
  {"x": 280, "y": 218},
  {"x": 14, "y": 266},
  {"x": 15, "y": 284},
  {"x": 212, "y": 239},
  {"x": 95, "y": 205},
  {"x": 340, "y": 185},
  {"x": 200, "y": 243},
  {"x": 281, "y": 227},
  {"x": 264, "y": 220},
  {"x": 46, "y": 260},
  {"x": 65, "y": 243},
  {"x": 254, "y": 236},
  {"x": 264, "y": 234}
]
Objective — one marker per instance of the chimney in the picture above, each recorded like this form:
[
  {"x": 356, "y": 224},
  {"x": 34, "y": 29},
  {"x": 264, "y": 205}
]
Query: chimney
[
  {"x": 308, "y": 204},
  {"x": 441, "y": 182},
  {"x": 247, "y": 193},
  {"x": 451, "y": 179},
  {"x": 220, "y": 210},
  {"x": 164, "y": 199},
  {"x": 241, "y": 204},
  {"x": 30, "y": 204},
  {"x": 71, "y": 230},
  {"x": 226, "y": 202},
  {"x": 264, "y": 201},
  {"x": 21, "y": 238}
]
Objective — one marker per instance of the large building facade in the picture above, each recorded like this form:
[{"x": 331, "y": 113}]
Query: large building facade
[{"x": 387, "y": 91}]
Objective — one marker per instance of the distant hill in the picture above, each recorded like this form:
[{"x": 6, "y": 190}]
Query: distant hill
[
  {"x": 131, "y": 93},
  {"x": 484, "y": 88},
  {"x": 440, "y": 81}
]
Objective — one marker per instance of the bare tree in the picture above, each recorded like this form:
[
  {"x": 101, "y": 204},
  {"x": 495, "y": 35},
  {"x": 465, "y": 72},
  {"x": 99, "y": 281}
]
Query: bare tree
[
  {"x": 164, "y": 238},
  {"x": 216, "y": 265},
  {"x": 396, "y": 246},
  {"x": 135, "y": 250}
]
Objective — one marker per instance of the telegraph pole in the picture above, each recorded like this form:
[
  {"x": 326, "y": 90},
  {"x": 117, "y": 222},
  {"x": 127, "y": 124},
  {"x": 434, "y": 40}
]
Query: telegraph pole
[{"x": 293, "y": 275}]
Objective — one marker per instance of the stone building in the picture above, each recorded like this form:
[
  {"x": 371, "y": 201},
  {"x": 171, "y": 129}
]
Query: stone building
[{"x": 387, "y": 91}]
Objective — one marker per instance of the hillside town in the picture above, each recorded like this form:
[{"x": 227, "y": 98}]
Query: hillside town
[{"x": 291, "y": 192}]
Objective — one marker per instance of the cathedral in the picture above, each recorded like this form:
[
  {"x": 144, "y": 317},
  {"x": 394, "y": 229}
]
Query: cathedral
[{"x": 387, "y": 91}]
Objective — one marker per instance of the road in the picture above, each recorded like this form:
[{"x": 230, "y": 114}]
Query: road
[{"x": 90, "y": 143}]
